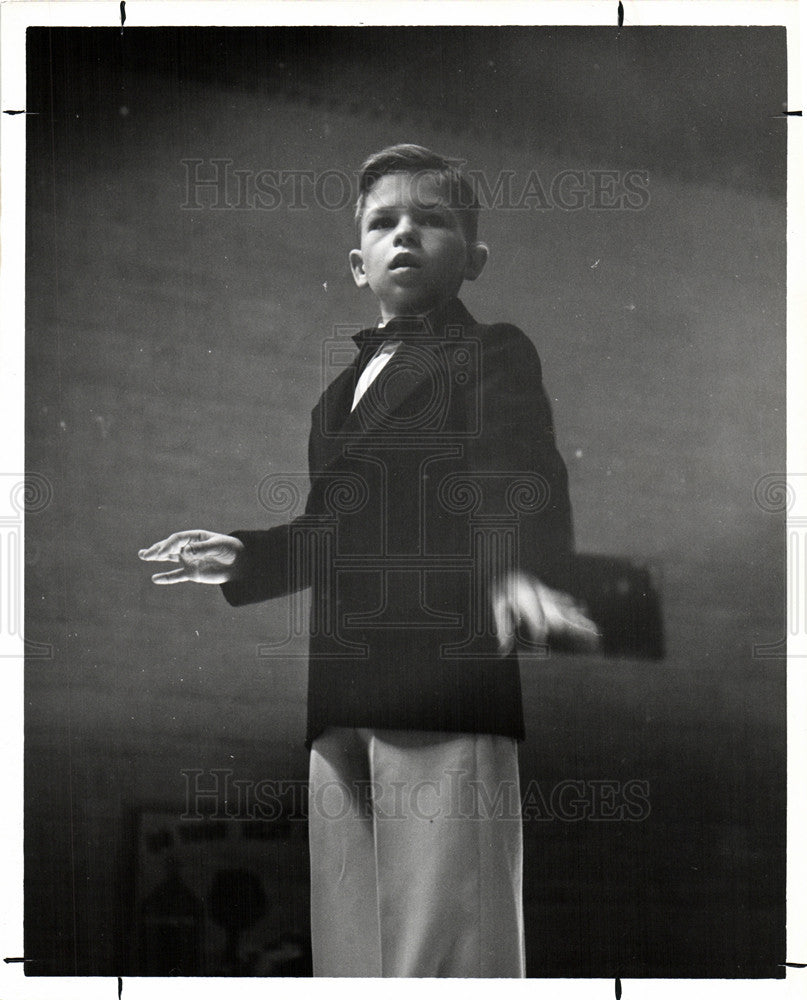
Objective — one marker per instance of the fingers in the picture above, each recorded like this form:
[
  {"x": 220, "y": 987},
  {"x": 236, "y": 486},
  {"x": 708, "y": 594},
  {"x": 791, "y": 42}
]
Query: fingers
[
  {"x": 204, "y": 557},
  {"x": 585, "y": 634},
  {"x": 172, "y": 576},
  {"x": 545, "y": 612},
  {"x": 504, "y": 619},
  {"x": 530, "y": 609},
  {"x": 169, "y": 548},
  {"x": 516, "y": 601},
  {"x": 565, "y": 618}
]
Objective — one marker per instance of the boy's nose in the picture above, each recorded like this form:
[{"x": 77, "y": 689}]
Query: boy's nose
[{"x": 405, "y": 232}]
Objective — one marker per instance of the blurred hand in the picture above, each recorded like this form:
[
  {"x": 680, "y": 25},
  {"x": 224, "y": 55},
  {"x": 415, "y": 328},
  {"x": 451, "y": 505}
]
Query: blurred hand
[
  {"x": 205, "y": 557},
  {"x": 547, "y": 614}
]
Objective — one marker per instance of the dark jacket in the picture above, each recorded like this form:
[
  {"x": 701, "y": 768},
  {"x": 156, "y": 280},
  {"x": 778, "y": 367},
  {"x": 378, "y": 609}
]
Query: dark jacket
[{"x": 443, "y": 478}]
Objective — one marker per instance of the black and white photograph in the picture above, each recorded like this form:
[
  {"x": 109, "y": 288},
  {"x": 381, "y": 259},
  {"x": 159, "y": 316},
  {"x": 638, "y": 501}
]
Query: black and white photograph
[{"x": 406, "y": 501}]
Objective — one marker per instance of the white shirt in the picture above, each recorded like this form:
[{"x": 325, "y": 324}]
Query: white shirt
[{"x": 373, "y": 369}]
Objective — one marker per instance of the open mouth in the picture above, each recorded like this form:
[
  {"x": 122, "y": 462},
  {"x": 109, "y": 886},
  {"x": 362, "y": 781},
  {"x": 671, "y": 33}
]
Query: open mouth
[{"x": 401, "y": 260}]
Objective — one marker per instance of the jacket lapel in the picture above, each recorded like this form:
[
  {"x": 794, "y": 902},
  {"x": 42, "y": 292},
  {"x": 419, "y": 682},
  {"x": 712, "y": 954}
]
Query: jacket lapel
[
  {"x": 419, "y": 360},
  {"x": 334, "y": 405}
]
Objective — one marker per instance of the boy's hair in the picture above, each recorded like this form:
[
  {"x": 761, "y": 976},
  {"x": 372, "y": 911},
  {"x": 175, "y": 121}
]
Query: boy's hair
[{"x": 407, "y": 158}]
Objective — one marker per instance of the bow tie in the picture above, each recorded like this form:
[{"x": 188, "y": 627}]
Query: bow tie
[{"x": 397, "y": 329}]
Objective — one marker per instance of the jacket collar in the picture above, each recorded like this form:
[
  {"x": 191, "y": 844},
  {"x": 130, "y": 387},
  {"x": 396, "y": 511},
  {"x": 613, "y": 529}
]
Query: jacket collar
[
  {"x": 432, "y": 325},
  {"x": 341, "y": 426}
]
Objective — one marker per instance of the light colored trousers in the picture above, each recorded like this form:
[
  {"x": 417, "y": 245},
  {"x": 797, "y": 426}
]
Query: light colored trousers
[{"x": 416, "y": 854}]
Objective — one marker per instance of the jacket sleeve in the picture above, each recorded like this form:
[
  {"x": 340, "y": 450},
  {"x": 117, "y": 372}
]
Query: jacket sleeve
[
  {"x": 265, "y": 567},
  {"x": 516, "y": 450}
]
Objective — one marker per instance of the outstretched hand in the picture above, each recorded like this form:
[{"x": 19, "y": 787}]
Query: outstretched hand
[
  {"x": 548, "y": 614},
  {"x": 205, "y": 557}
]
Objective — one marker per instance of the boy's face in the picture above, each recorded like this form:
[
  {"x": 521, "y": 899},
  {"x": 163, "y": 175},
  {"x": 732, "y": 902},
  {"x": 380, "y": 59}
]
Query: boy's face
[{"x": 414, "y": 253}]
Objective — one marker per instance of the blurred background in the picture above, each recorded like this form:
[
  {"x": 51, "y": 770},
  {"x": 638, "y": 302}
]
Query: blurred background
[{"x": 174, "y": 344}]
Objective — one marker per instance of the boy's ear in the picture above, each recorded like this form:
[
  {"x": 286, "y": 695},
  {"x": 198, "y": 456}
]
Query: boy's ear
[
  {"x": 357, "y": 267},
  {"x": 476, "y": 260}
]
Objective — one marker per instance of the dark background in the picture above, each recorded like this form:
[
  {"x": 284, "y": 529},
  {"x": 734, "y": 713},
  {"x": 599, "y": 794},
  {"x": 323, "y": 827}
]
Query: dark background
[{"x": 173, "y": 357}]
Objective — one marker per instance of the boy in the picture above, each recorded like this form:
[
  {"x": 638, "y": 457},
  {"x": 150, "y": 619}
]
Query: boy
[{"x": 437, "y": 522}]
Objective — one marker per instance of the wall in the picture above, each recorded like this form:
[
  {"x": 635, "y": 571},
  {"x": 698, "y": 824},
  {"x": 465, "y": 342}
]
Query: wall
[{"x": 173, "y": 357}]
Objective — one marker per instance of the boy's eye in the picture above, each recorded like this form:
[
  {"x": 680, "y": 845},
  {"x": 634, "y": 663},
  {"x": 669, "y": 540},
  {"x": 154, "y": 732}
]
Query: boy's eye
[
  {"x": 381, "y": 222},
  {"x": 434, "y": 217}
]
